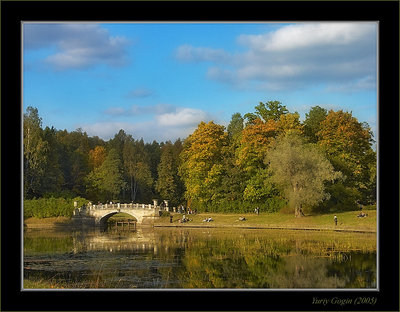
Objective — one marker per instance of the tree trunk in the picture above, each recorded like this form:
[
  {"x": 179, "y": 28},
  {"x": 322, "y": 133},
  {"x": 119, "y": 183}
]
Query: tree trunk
[
  {"x": 298, "y": 212},
  {"x": 132, "y": 197}
]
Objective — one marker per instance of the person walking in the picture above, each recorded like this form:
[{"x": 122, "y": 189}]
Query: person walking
[{"x": 335, "y": 219}]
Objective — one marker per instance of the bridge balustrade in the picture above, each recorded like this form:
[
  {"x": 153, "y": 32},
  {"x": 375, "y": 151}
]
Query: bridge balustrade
[{"x": 123, "y": 206}]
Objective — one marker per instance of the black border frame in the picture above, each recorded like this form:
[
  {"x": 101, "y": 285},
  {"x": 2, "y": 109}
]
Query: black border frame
[{"x": 12, "y": 13}]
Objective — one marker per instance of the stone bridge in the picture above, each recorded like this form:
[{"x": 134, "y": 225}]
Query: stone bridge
[{"x": 102, "y": 212}]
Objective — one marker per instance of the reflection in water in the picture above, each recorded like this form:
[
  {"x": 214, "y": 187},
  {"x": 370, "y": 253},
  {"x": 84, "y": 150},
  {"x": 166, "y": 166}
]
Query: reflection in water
[{"x": 200, "y": 258}]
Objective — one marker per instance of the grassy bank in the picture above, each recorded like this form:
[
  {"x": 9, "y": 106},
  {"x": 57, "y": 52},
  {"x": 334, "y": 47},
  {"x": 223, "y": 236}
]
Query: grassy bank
[
  {"x": 346, "y": 221},
  {"x": 34, "y": 222}
]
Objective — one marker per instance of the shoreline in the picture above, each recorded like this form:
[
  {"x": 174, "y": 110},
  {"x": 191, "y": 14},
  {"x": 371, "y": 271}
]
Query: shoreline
[
  {"x": 255, "y": 227},
  {"x": 348, "y": 222}
]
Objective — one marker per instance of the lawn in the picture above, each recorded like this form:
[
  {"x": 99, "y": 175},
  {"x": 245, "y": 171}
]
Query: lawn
[{"x": 346, "y": 221}]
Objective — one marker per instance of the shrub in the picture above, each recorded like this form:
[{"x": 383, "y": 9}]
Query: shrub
[{"x": 51, "y": 207}]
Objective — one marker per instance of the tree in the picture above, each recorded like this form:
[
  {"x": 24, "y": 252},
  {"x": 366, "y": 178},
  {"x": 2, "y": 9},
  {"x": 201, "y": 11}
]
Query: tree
[
  {"x": 97, "y": 156},
  {"x": 312, "y": 122},
  {"x": 35, "y": 153},
  {"x": 107, "y": 181},
  {"x": 200, "y": 160},
  {"x": 53, "y": 178},
  {"x": 271, "y": 110},
  {"x": 137, "y": 169},
  {"x": 301, "y": 170},
  {"x": 261, "y": 191},
  {"x": 347, "y": 143},
  {"x": 169, "y": 184},
  {"x": 256, "y": 140},
  {"x": 289, "y": 123},
  {"x": 235, "y": 127}
]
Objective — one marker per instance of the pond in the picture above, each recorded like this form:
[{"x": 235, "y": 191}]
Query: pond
[{"x": 199, "y": 258}]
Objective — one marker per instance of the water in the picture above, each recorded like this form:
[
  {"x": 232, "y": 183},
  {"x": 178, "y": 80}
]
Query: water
[{"x": 200, "y": 258}]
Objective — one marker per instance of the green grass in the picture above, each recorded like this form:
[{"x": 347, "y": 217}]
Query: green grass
[
  {"x": 121, "y": 216},
  {"x": 346, "y": 220}
]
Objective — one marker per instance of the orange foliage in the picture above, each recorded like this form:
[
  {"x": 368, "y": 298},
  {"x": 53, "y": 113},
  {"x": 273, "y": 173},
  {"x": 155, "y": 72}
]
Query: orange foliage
[{"x": 97, "y": 156}]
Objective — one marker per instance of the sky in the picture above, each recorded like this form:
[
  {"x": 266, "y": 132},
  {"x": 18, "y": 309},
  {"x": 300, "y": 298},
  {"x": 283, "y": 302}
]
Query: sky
[{"x": 158, "y": 81}]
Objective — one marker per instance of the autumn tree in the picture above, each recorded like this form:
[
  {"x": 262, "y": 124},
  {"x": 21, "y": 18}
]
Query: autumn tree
[
  {"x": 348, "y": 145},
  {"x": 201, "y": 160},
  {"x": 97, "y": 156},
  {"x": 301, "y": 170},
  {"x": 256, "y": 139},
  {"x": 289, "y": 123}
]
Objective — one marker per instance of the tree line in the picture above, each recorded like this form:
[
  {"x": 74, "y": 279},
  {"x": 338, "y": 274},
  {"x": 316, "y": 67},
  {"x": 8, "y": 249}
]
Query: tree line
[{"x": 267, "y": 159}]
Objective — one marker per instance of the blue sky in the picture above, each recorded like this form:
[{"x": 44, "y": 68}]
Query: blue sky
[{"x": 157, "y": 81}]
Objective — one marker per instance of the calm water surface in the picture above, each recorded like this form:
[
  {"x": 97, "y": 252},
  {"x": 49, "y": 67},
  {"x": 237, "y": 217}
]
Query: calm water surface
[{"x": 200, "y": 258}]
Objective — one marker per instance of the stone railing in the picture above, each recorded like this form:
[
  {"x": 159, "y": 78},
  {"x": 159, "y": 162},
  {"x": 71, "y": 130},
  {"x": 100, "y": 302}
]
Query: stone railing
[{"x": 90, "y": 207}]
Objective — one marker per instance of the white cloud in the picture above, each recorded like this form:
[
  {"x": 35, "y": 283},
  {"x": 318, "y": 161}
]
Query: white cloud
[
  {"x": 77, "y": 45},
  {"x": 306, "y": 36},
  {"x": 167, "y": 123},
  {"x": 182, "y": 117},
  {"x": 295, "y": 56}
]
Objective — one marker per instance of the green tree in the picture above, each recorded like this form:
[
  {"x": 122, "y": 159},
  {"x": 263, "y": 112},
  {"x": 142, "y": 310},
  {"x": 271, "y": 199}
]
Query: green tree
[
  {"x": 35, "y": 153},
  {"x": 53, "y": 178},
  {"x": 312, "y": 122},
  {"x": 235, "y": 127},
  {"x": 137, "y": 170},
  {"x": 169, "y": 184},
  {"x": 106, "y": 182},
  {"x": 301, "y": 170},
  {"x": 266, "y": 111}
]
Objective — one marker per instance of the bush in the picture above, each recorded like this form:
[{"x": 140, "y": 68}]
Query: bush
[
  {"x": 51, "y": 207},
  {"x": 273, "y": 204},
  {"x": 342, "y": 198},
  {"x": 165, "y": 214}
]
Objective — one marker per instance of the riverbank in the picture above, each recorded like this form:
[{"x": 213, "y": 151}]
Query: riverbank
[
  {"x": 34, "y": 222},
  {"x": 347, "y": 221}
]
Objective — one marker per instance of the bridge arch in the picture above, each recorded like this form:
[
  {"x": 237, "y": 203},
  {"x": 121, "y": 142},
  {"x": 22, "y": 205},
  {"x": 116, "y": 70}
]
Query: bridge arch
[{"x": 104, "y": 219}]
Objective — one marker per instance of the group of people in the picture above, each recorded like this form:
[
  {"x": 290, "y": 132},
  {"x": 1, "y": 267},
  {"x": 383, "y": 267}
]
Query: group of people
[
  {"x": 188, "y": 210},
  {"x": 362, "y": 215},
  {"x": 184, "y": 219}
]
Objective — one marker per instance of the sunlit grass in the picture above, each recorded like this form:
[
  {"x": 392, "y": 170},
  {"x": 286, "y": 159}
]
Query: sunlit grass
[{"x": 346, "y": 220}]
